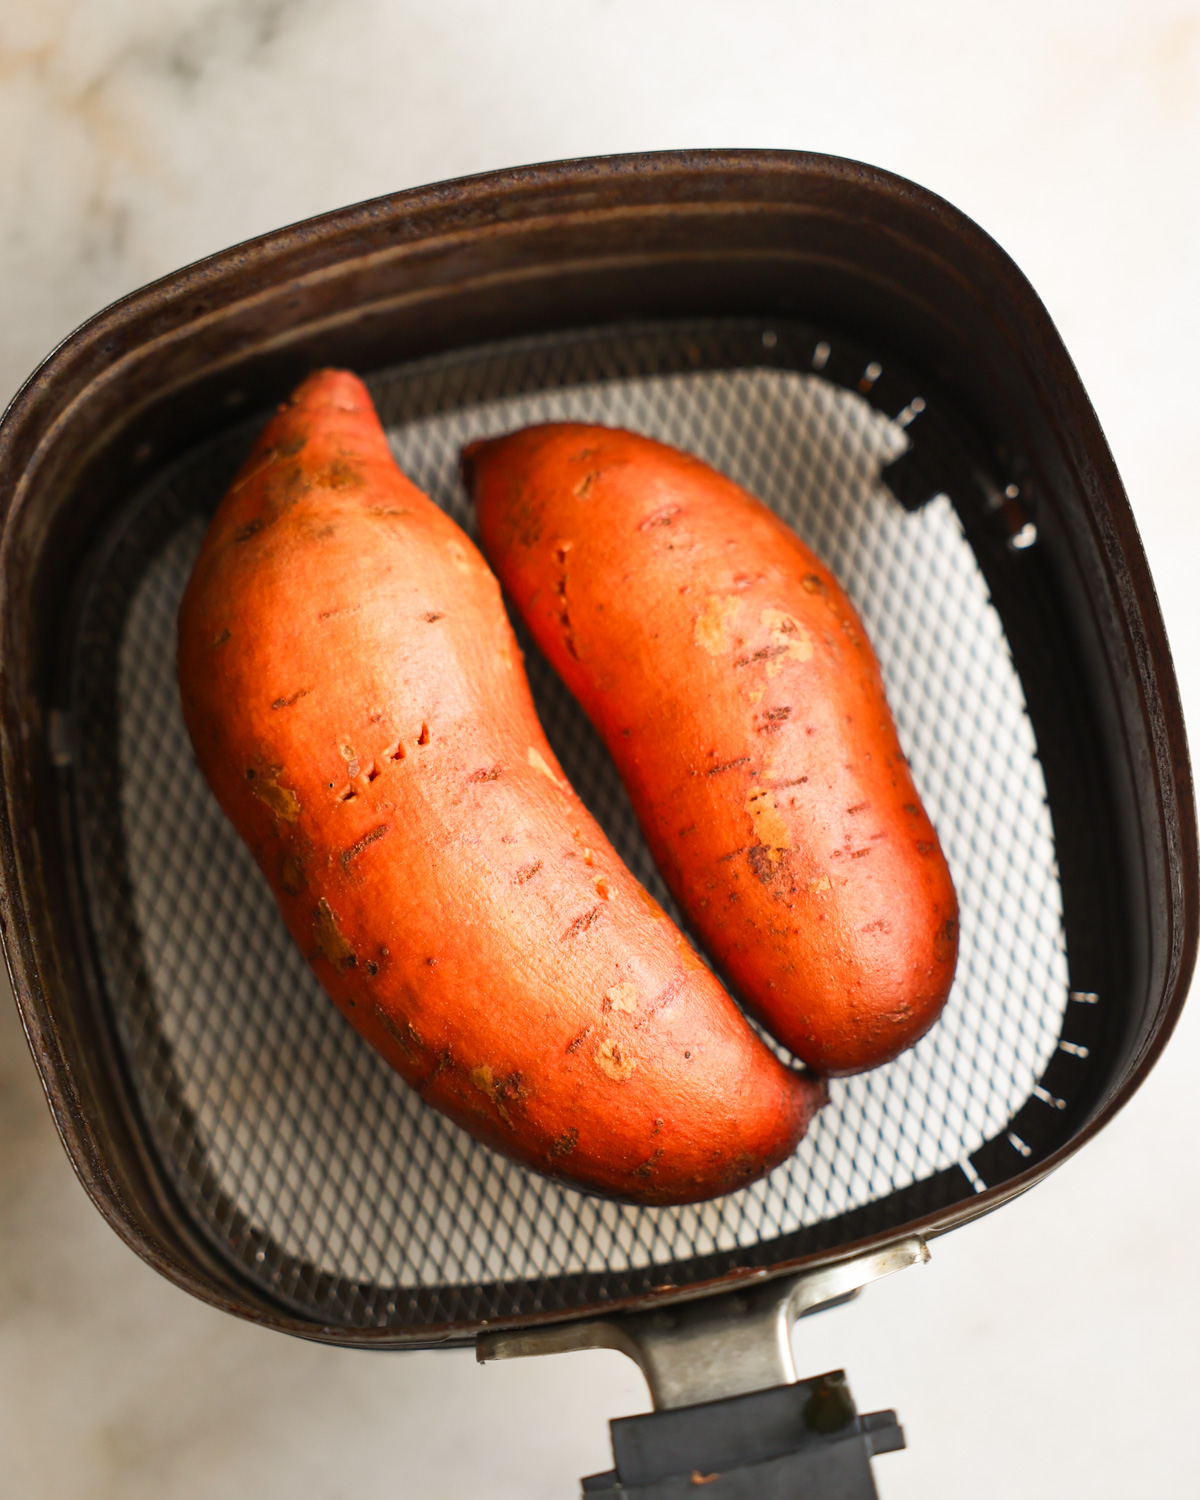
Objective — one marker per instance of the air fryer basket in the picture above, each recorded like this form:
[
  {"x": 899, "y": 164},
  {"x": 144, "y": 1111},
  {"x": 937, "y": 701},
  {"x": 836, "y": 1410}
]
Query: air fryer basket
[{"x": 857, "y": 354}]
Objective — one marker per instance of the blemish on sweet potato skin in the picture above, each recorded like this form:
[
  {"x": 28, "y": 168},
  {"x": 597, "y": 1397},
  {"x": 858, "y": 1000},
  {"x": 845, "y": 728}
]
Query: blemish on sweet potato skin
[
  {"x": 581, "y": 923},
  {"x": 406, "y": 1036},
  {"x": 368, "y": 730},
  {"x": 947, "y": 938},
  {"x": 291, "y": 875},
  {"x": 290, "y": 699},
  {"x": 505, "y": 1092},
  {"x": 763, "y": 861},
  {"x": 327, "y": 935},
  {"x": 341, "y": 474},
  {"x": 623, "y": 997},
  {"x": 578, "y": 1039},
  {"x": 367, "y": 839},
  {"x": 661, "y": 517},
  {"x": 615, "y": 1060},
  {"x": 646, "y": 1168},
  {"x": 282, "y": 800},
  {"x": 714, "y": 623}
]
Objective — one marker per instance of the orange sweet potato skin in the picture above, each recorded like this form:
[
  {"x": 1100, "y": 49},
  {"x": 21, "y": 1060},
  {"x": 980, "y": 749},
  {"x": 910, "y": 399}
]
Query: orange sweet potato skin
[
  {"x": 357, "y": 702},
  {"x": 733, "y": 683}
]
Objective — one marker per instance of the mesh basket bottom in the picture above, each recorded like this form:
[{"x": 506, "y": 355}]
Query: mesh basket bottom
[{"x": 289, "y": 1142}]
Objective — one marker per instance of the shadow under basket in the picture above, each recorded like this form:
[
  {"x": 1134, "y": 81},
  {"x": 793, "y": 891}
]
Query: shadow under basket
[{"x": 847, "y": 347}]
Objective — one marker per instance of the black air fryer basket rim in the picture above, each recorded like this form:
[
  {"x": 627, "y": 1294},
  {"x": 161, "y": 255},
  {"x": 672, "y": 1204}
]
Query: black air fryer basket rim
[{"x": 565, "y": 245}]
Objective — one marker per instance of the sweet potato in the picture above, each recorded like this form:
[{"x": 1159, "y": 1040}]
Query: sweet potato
[
  {"x": 357, "y": 701},
  {"x": 735, "y": 688}
]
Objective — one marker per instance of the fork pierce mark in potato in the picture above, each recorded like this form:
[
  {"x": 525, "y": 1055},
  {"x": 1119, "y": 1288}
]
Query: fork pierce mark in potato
[
  {"x": 356, "y": 700},
  {"x": 735, "y": 688}
]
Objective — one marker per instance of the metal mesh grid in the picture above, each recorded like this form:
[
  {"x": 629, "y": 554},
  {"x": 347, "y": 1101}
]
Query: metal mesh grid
[{"x": 294, "y": 1147}]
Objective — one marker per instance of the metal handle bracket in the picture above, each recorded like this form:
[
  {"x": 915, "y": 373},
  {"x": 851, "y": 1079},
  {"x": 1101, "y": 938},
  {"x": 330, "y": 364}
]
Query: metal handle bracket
[{"x": 726, "y": 1345}]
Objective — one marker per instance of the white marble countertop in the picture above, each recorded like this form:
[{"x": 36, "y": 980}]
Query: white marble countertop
[{"x": 1051, "y": 1349}]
